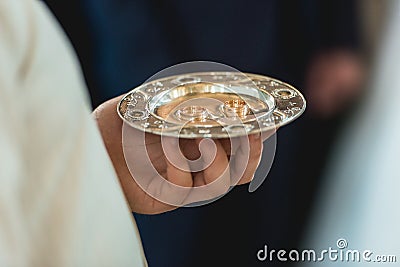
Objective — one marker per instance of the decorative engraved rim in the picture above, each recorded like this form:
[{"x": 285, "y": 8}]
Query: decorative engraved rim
[{"x": 289, "y": 104}]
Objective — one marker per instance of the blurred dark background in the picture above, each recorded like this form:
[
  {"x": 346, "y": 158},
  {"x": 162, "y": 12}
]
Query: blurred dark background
[{"x": 307, "y": 43}]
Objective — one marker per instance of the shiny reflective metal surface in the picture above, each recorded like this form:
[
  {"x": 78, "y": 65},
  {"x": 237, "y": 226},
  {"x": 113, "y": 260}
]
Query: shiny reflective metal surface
[{"x": 211, "y": 104}]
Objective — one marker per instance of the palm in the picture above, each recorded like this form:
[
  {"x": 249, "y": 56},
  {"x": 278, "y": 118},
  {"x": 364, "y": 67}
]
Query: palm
[{"x": 156, "y": 179}]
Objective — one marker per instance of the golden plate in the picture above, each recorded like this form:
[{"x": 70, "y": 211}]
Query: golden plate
[{"x": 211, "y": 105}]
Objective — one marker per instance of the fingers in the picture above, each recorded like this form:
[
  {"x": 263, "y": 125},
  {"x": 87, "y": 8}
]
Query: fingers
[
  {"x": 215, "y": 179},
  {"x": 244, "y": 154},
  {"x": 219, "y": 160},
  {"x": 247, "y": 159},
  {"x": 267, "y": 134},
  {"x": 177, "y": 170},
  {"x": 231, "y": 145}
]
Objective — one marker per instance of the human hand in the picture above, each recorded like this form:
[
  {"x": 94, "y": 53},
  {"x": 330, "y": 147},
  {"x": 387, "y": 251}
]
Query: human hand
[{"x": 168, "y": 172}]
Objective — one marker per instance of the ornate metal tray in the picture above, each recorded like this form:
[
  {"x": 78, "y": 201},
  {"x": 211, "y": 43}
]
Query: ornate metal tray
[{"x": 211, "y": 105}]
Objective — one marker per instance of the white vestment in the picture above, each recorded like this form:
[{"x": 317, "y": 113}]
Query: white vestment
[{"x": 60, "y": 201}]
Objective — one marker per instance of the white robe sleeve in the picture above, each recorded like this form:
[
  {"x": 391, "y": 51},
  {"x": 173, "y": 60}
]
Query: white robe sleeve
[{"x": 60, "y": 201}]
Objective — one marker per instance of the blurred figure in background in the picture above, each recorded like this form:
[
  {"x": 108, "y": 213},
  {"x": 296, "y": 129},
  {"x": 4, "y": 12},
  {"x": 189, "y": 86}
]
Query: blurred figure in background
[
  {"x": 311, "y": 44},
  {"x": 359, "y": 199}
]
